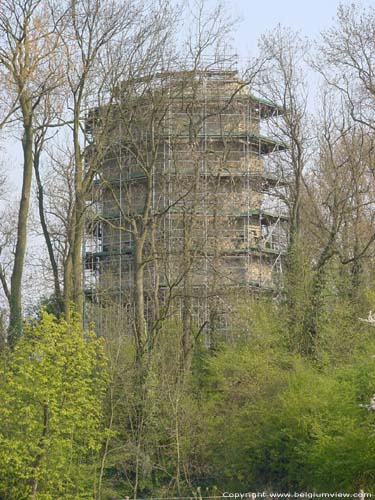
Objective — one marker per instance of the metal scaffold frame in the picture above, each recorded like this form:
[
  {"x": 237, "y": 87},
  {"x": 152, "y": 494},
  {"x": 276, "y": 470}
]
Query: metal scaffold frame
[{"x": 237, "y": 242}]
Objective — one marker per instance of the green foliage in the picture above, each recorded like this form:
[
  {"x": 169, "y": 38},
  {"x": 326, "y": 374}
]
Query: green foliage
[
  {"x": 273, "y": 419},
  {"x": 253, "y": 414},
  {"x": 241, "y": 383},
  {"x": 153, "y": 445},
  {"x": 51, "y": 391},
  {"x": 318, "y": 436}
]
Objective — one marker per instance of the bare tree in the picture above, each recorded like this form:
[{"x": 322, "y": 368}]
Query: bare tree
[
  {"x": 339, "y": 204},
  {"x": 284, "y": 81},
  {"x": 27, "y": 41},
  {"x": 348, "y": 65},
  {"x": 347, "y": 60},
  {"x": 89, "y": 31},
  {"x": 49, "y": 122}
]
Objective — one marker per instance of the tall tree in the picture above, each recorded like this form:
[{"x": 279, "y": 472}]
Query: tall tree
[
  {"x": 28, "y": 40},
  {"x": 88, "y": 30},
  {"x": 284, "y": 81},
  {"x": 347, "y": 60},
  {"x": 338, "y": 211}
]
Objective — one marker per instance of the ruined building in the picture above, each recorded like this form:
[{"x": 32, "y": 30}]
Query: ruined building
[{"x": 184, "y": 208}]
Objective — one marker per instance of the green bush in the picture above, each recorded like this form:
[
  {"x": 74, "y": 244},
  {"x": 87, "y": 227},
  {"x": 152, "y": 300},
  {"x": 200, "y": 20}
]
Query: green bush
[{"x": 51, "y": 391}]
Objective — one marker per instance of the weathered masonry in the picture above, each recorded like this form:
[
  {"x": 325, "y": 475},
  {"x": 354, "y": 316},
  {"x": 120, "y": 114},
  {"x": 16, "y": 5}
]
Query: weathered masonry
[{"x": 183, "y": 200}]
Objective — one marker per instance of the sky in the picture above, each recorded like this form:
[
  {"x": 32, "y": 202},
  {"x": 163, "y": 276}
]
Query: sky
[{"x": 259, "y": 16}]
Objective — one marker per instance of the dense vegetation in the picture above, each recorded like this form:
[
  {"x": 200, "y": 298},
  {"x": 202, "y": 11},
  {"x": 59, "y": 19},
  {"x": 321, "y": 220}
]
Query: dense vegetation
[
  {"x": 254, "y": 414},
  {"x": 279, "y": 399},
  {"x": 51, "y": 391}
]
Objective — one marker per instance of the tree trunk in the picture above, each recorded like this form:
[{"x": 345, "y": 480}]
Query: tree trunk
[
  {"x": 15, "y": 319},
  {"x": 186, "y": 340},
  {"x": 79, "y": 207},
  {"x": 139, "y": 302},
  {"x": 46, "y": 234},
  {"x": 68, "y": 286}
]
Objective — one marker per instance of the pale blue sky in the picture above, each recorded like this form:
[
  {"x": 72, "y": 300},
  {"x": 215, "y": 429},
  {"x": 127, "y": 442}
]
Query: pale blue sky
[{"x": 309, "y": 16}]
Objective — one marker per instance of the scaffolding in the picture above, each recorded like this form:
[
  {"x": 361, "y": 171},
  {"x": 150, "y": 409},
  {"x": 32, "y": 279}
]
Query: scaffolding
[{"x": 186, "y": 164}]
